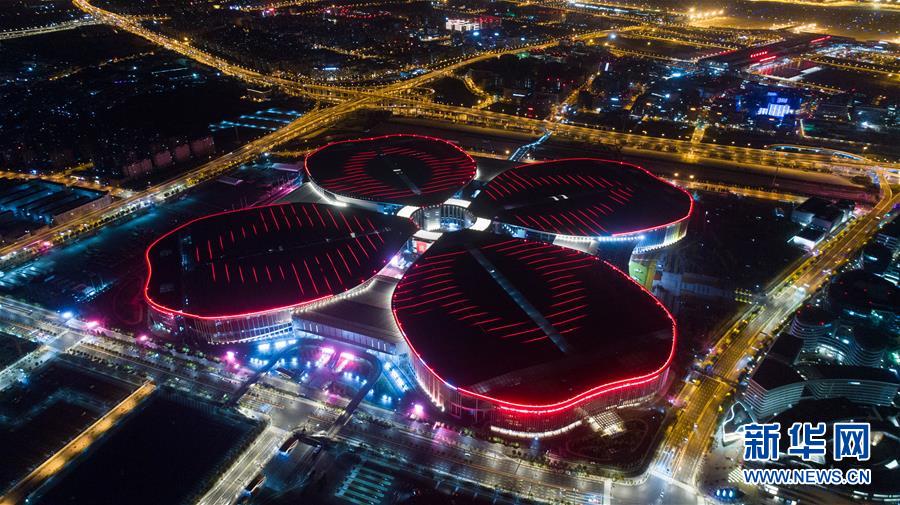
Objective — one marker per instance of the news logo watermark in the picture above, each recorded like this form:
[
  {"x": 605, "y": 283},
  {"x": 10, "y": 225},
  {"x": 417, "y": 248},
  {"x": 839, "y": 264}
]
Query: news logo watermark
[{"x": 809, "y": 442}]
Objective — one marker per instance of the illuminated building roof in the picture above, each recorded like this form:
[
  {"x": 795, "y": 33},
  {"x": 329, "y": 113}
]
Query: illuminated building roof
[
  {"x": 583, "y": 197},
  {"x": 267, "y": 258},
  {"x": 525, "y": 323},
  {"x": 395, "y": 169}
]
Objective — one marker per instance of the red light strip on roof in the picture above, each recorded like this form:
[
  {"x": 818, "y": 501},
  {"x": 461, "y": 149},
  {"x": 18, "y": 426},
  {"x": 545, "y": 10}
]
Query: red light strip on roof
[
  {"x": 588, "y": 181},
  {"x": 574, "y": 400},
  {"x": 171, "y": 311},
  {"x": 442, "y": 179}
]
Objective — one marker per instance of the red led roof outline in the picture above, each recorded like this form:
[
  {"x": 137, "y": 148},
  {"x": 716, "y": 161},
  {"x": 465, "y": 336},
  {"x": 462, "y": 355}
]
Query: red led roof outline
[
  {"x": 443, "y": 167},
  {"x": 584, "y": 197},
  {"x": 561, "y": 281},
  {"x": 556, "y": 265},
  {"x": 567, "y": 309},
  {"x": 603, "y": 388},
  {"x": 284, "y": 257}
]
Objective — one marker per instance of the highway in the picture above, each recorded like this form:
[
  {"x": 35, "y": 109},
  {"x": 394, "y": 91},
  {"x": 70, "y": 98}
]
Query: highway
[
  {"x": 689, "y": 437},
  {"x": 702, "y": 401},
  {"x": 474, "y": 464},
  {"x": 742, "y": 191},
  {"x": 38, "y": 325},
  {"x": 245, "y": 467},
  {"x": 116, "y": 349},
  {"x": 635, "y": 144},
  {"x": 458, "y": 459},
  {"x": 391, "y": 97},
  {"x": 475, "y": 461},
  {"x": 836, "y": 4},
  {"x": 40, "y": 30},
  {"x": 60, "y": 336},
  {"x": 67, "y": 180},
  {"x": 308, "y": 87}
]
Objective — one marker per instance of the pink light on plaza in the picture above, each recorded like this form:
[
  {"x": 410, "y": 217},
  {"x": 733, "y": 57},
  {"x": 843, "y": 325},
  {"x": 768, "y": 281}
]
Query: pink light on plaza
[
  {"x": 344, "y": 360},
  {"x": 325, "y": 357}
]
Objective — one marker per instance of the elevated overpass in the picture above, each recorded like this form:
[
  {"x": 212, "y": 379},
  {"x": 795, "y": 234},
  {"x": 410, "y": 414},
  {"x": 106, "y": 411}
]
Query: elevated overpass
[
  {"x": 691, "y": 152},
  {"x": 55, "y": 27},
  {"x": 395, "y": 97}
]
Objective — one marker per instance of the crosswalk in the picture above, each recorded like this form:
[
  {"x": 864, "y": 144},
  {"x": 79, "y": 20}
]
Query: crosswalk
[
  {"x": 664, "y": 462},
  {"x": 365, "y": 485}
]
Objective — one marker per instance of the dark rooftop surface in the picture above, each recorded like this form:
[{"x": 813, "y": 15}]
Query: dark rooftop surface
[
  {"x": 397, "y": 169},
  {"x": 13, "y": 348},
  {"x": 773, "y": 373},
  {"x": 40, "y": 198},
  {"x": 265, "y": 258},
  {"x": 862, "y": 291},
  {"x": 526, "y": 322},
  {"x": 891, "y": 229},
  {"x": 873, "y": 339},
  {"x": 825, "y": 411},
  {"x": 850, "y": 373},
  {"x": 786, "y": 348},
  {"x": 811, "y": 315},
  {"x": 830, "y": 213},
  {"x": 814, "y": 205},
  {"x": 582, "y": 197},
  {"x": 812, "y": 233}
]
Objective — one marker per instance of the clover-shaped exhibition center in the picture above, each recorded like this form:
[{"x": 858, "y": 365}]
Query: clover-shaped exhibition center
[{"x": 506, "y": 301}]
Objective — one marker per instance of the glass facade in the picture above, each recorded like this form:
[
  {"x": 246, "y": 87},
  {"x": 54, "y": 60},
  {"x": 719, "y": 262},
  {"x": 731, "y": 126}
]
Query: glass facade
[
  {"x": 643, "y": 241},
  {"x": 445, "y": 217},
  {"x": 224, "y": 331},
  {"x": 350, "y": 337},
  {"x": 462, "y": 405}
]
